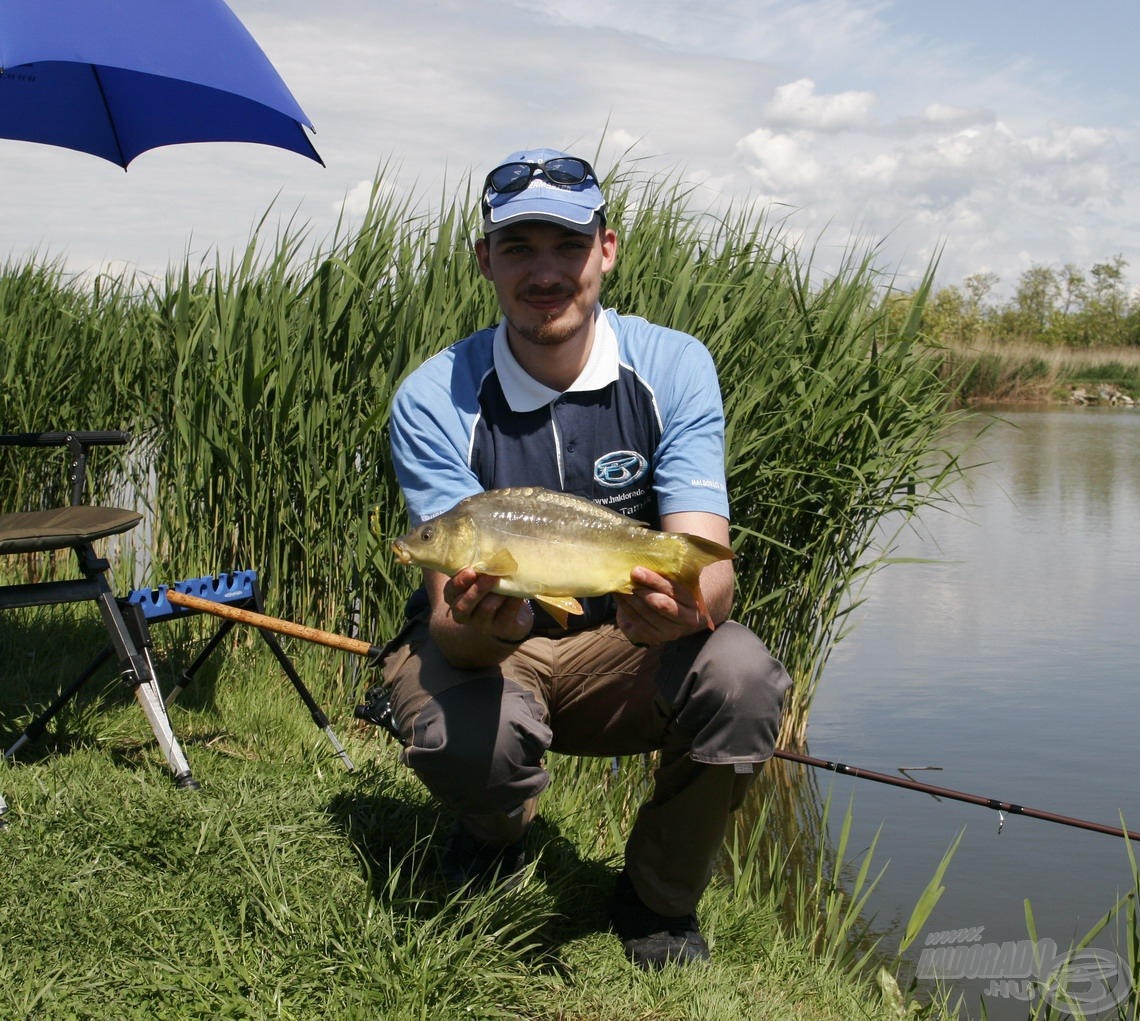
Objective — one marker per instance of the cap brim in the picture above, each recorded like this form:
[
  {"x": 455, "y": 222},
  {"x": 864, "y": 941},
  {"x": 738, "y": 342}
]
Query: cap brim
[{"x": 545, "y": 206}]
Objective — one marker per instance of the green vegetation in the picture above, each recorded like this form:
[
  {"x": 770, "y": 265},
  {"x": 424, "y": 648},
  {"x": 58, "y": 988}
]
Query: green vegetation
[
  {"x": 1058, "y": 308},
  {"x": 258, "y": 394},
  {"x": 1065, "y": 335},
  {"x": 288, "y": 888}
]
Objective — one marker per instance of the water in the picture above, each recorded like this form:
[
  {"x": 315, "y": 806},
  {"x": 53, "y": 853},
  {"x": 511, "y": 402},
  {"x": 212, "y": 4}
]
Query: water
[{"x": 1011, "y": 663}]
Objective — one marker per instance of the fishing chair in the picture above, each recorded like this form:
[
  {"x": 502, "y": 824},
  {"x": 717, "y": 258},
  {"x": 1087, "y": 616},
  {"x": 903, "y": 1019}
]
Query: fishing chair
[{"x": 78, "y": 527}]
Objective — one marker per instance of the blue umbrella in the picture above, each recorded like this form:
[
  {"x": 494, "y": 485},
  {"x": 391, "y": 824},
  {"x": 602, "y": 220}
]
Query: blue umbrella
[{"x": 118, "y": 77}]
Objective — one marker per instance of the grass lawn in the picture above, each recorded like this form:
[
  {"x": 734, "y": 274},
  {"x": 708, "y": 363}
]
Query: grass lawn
[{"x": 287, "y": 887}]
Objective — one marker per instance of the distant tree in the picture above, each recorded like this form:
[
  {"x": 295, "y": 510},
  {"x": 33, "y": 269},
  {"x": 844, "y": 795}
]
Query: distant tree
[
  {"x": 1074, "y": 289},
  {"x": 1106, "y": 306},
  {"x": 1038, "y": 292},
  {"x": 1062, "y": 307},
  {"x": 944, "y": 317},
  {"x": 979, "y": 286}
]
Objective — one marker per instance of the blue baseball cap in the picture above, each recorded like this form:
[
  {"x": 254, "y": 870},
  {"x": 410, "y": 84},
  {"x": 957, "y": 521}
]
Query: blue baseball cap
[{"x": 542, "y": 184}]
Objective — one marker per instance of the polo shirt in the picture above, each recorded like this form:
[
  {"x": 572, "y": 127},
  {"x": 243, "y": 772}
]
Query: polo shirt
[{"x": 641, "y": 430}]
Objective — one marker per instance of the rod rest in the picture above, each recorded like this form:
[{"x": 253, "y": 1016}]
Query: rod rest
[{"x": 233, "y": 587}]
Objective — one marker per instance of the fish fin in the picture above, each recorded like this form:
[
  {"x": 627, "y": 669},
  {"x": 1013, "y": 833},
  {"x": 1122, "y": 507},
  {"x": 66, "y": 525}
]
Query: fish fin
[
  {"x": 710, "y": 548},
  {"x": 702, "y": 607},
  {"x": 559, "y": 607},
  {"x": 499, "y": 564},
  {"x": 704, "y": 552}
]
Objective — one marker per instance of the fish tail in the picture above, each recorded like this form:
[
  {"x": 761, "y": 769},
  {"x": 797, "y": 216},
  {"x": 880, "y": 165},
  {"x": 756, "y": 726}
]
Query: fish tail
[{"x": 699, "y": 553}]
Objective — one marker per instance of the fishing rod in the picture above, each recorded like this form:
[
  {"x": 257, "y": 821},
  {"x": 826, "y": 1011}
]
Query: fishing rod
[
  {"x": 1001, "y": 807},
  {"x": 362, "y": 648}
]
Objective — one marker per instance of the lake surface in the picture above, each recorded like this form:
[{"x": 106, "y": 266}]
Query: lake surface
[{"x": 1011, "y": 662}]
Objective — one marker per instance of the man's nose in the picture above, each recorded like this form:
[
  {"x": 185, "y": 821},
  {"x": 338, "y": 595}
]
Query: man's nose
[{"x": 544, "y": 268}]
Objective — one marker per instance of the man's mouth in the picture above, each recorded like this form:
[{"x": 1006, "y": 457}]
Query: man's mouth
[{"x": 543, "y": 302}]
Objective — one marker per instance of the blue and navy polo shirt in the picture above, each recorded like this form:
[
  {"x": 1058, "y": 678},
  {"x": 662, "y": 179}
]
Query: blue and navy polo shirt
[{"x": 641, "y": 430}]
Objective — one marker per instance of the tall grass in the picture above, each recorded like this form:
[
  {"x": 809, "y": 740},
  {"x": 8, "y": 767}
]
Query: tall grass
[{"x": 258, "y": 389}]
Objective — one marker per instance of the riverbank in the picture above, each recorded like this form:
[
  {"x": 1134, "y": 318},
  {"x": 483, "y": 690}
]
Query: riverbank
[
  {"x": 1039, "y": 374},
  {"x": 289, "y": 888}
]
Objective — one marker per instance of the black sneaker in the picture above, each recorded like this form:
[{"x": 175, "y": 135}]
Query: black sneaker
[
  {"x": 469, "y": 863},
  {"x": 651, "y": 940}
]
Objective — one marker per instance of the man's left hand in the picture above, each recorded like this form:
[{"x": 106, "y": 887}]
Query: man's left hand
[{"x": 658, "y": 610}]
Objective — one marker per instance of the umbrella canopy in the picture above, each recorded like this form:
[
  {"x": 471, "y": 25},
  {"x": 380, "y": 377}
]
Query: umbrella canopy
[{"x": 118, "y": 77}]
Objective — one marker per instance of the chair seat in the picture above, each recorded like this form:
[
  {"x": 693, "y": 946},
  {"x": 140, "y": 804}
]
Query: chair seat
[{"x": 32, "y": 531}]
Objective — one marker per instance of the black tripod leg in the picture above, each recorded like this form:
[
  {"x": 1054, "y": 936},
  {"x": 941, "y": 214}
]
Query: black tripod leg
[
  {"x": 187, "y": 676},
  {"x": 34, "y": 730},
  {"x": 319, "y": 718}
]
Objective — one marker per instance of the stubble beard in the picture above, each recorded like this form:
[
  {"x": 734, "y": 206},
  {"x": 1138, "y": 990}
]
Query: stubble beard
[
  {"x": 552, "y": 330},
  {"x": 549, "y": 333}
]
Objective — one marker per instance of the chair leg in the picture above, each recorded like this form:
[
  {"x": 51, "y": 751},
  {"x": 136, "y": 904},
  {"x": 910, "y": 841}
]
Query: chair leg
[{"x": 138, "y": 674}]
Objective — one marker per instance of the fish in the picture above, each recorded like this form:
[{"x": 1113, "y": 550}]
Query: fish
[{"x": 555, "y": 548}]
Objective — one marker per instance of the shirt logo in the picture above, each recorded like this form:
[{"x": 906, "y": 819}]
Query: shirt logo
[{"x": 619, "y": 468}]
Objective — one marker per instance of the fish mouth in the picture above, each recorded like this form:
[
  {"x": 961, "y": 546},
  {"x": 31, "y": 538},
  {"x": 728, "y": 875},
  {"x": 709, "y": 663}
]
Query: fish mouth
[{"x": 403, "y": 554}]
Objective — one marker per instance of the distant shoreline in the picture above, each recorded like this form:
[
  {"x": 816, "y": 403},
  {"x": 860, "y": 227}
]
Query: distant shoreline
[{"x": 1010, "y": 373}]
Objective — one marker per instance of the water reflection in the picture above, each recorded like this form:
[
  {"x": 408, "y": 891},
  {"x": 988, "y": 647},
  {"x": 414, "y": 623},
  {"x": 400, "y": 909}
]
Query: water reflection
[{"x": 1008, "y": 659}]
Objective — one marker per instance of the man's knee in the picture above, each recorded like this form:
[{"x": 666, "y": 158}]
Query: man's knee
[
  {"x": 478, "y": 747},
  {"x": 730, "y": 700}
]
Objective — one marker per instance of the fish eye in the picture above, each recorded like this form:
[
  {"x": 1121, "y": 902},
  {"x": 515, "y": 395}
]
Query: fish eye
[{"x": 427, "y": 533}]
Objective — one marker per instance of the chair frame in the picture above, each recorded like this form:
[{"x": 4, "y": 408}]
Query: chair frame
[{"x": 128, "y": 638}]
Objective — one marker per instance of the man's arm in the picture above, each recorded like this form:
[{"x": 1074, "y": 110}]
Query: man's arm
[{"x": 661, "y": 611}]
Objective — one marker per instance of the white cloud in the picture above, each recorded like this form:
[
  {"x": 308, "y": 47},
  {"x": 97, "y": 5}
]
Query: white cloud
[
  {"x": 797, "y": 105},
  {"x": 781, "y": 162}
]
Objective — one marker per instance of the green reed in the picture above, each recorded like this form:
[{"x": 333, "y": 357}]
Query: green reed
[{"x": 258, "y": 389}]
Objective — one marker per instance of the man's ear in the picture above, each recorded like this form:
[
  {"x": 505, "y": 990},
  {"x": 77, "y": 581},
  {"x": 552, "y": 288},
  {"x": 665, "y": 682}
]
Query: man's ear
[
  {"x": 609, "y": 248},
  {"x": 483, "y": 257}
]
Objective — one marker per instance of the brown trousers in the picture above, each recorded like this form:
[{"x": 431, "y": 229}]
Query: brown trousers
[{"x": 709, "y": 703}]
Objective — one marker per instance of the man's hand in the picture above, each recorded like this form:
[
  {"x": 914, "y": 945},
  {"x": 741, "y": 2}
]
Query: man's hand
[
  {"x": 658, "y": 610},
  {"x": 473, "y": 626},
  {"x": 471, "y": 603}
]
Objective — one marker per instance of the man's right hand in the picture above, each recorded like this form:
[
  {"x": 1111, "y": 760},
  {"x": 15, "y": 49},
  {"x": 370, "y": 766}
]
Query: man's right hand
[
  {"x": 474, "y": 626},
  {"x": 472, "y": 603}
]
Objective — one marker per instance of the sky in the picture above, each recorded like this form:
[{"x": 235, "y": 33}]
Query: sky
[{"x": 993, "y": 136}]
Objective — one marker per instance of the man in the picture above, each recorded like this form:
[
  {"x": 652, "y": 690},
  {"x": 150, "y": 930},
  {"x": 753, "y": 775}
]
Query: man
[{"x": 565, "y": 396}]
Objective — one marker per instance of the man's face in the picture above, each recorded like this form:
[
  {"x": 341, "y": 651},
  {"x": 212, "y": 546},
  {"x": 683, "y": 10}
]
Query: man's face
[{"x": 547, "y": 277}]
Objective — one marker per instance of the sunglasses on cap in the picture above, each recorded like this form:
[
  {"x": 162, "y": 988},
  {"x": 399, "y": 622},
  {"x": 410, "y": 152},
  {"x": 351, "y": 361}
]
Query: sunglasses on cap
[{"x": 564, "y": 171}]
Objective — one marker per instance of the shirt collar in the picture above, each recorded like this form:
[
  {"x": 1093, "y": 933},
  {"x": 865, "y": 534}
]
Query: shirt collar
[{"x": 525, "y": 393}]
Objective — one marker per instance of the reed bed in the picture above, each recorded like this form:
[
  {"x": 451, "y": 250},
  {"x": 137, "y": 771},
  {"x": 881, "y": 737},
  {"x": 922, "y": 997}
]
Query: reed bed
[{"x": 257, "y": 390}]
